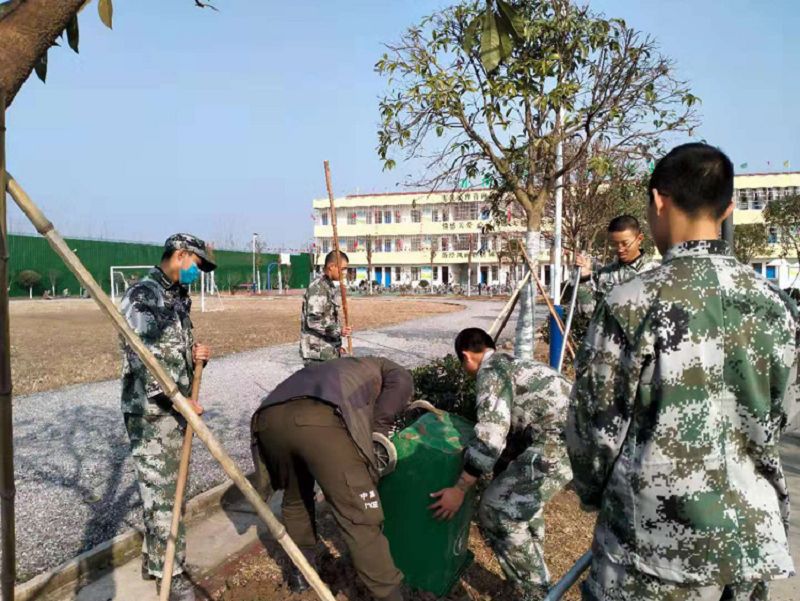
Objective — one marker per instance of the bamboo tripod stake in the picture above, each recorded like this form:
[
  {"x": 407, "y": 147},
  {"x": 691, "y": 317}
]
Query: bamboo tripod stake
[
  {"x": 168, "y": 386},
  {"x": 180, "y": 489},
  {"x": 505, "y": 314},
  {"x": 342, "y": 275},
  {"x": 550, "y": 306}
]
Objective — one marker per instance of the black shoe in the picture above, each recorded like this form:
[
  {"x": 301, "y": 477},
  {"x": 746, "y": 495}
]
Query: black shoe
[
  {"x": 297, "y": 582},
  {"x": 181, "y": 589},
  {"x": 146, "y": 575}
]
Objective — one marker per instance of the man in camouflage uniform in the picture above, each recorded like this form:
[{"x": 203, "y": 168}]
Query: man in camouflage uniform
[
  {"x": 320, "y": 330},
  {"x": 521, "y": 408},
  {"x": 683, "y": 385},
  {"x": 625, "y": 236},
  {"x": 157, "y": 308}
]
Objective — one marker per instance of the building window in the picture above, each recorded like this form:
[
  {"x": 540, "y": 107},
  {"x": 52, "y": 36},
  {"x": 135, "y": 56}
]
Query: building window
[
  {"x": 324, "y": 218},
  {"x": 416, "y": 243},
  {"x": 352, "y": 244},
  {"x": 772, "y": 234},
  {"x": 398, "y": 217},
  {"x": 435, "y": 272},
  {"x": 758, "y": 201},
  {"x": 465, "y": 211},
  {"x": 772, "y": 272},
  {"x": 351, "y": 218},
  {"x": 378, "y": 216},
  {"x": 416, "y": 216},
  {"x": 398, "y": 244},
  {"x": 494, "y": 273},
  {"x": 351, "y": 274},
  {"x": 758, "y": 268},
  {"x": 326, "y": 246},
  {"x": 398, "y": 273},
  {"x": 415, "y": 273},
  {"x": 444, "y": 244},
  {"x": 368, "y": 217},
  {"x": 387, "y": 216},
  {"x": 742, "y": 203},
  {"x": 387, "y": 245},
  {"x": 463, "y": 242},
  {"x": 435, "y": 215}
]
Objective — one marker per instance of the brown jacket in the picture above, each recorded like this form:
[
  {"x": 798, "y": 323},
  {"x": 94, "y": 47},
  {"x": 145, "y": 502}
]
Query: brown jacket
[{"x": 367, "y": 391}]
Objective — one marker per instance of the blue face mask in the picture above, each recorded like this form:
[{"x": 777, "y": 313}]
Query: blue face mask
[{"x": 189, "y": 276}]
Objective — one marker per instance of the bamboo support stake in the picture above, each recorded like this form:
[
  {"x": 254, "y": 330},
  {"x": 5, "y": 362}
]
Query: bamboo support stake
[
  {"x": 168, "y": 386},
  {"x": 550, "y": 306},
  {"x": 568, "y": 325},
  {"x": 505, "y": 314},
  {"x": 342, "y": 275},
  {"x": 180, "y": 490},
  {"x": 7, "y": 488}
]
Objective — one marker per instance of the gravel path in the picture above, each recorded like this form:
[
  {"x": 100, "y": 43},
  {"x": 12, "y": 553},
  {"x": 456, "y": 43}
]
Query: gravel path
[{"x": 75, "y": 481}]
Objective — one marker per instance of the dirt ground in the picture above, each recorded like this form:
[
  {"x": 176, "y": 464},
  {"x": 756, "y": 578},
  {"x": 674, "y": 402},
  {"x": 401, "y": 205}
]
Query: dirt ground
[
  {"x": 61, "y": 342},
  {"x": 257, "y": 573}
]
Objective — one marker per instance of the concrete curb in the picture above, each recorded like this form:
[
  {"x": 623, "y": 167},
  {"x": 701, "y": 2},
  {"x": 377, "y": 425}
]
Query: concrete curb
[{"x": 77, "y": 572}]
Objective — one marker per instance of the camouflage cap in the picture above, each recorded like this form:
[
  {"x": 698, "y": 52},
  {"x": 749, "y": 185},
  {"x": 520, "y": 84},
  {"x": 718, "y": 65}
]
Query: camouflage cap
[{"x": 192, "y": 244}]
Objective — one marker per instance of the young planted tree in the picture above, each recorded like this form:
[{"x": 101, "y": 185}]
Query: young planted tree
[
  {"x": 562, "y": 74},
  {"x": 53, "y": 275},
  {"x": 29, "y": 279},
  {"x": 369, "y": 243},
  {"x": 432, "y": 257},
  {"x": 783, "y": 214},
  {"x": 750, "y": 240}
]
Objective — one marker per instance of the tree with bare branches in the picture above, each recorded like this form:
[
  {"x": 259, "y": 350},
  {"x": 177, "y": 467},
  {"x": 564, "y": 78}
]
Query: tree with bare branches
[
  {"x": 369, "y": 243},
  {"x": 604, "y": 184},
  {"x": 568, "y": 75}
]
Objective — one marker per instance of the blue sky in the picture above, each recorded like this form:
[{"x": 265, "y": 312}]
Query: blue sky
[{"x": 218, "y": 122}]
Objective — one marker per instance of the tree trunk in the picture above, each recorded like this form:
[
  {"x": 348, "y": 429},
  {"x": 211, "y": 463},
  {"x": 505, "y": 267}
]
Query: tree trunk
[
  {"x": 26, "y": 32},
  {"x": 526, "y": 325}
]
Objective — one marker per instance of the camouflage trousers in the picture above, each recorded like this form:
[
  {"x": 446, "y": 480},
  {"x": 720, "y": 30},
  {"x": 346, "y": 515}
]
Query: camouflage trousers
[
  {"x": 511, "y": 516},
  {"x": 156, "y": 442},
  {"x": 608, "y": 581}
]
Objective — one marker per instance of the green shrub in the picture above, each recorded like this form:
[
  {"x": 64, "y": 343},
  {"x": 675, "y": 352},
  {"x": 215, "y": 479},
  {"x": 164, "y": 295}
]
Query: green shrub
[{"x": 446, "y": 386}]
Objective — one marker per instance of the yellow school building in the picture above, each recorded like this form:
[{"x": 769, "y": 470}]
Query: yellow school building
[{"x": 415, "y": 236}]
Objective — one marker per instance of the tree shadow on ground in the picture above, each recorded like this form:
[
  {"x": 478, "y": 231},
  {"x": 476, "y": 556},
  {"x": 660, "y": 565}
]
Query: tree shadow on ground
[{"x": 87, "y": 463}]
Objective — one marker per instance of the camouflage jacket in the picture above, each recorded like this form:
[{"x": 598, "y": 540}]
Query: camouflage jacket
[
  {"x": 158, "y": 311},
  {"x": 604, "y": 279},
  {"x": 520, "y": 404},
  {"x": 683, "y": 384},
  {"x": 320, "y": 332}
]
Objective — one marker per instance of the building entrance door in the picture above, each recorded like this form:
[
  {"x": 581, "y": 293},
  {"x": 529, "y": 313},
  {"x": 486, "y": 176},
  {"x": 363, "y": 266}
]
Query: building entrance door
[{"x": 445, "y": 275}]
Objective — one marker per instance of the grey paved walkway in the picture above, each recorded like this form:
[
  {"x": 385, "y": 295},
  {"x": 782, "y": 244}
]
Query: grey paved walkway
[
  {"x": 75, "y": 481},
  {"x": 789, "y": 590}
]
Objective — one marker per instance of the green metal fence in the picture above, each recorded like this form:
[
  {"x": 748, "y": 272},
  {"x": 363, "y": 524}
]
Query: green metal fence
[{"x": 34, "y": 253}]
